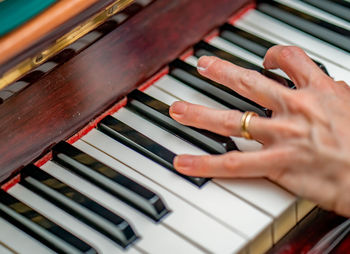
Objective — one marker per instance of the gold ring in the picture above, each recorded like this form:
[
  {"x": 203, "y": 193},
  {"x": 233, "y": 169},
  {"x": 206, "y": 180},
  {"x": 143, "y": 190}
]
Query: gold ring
[{"x": 245, "y": 124}]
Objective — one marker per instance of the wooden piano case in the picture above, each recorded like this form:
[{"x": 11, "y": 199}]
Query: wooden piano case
[{"x": 70, "y": 98}]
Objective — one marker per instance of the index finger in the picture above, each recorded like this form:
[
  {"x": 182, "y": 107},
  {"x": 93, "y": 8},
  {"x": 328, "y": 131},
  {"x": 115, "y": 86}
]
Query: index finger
[
  {"x": 295, "y": 63},
  {"x": 248, "y": 83},
  {"x": 263, "y": 163}
]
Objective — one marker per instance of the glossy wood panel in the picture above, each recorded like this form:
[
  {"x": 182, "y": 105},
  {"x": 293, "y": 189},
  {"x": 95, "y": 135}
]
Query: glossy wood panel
[
  {"x": 30, "y": 39},
  {"x": 66, "y": 99},
  {"x": 309, "y": 232},
  {"x": 31, "y": 31}
]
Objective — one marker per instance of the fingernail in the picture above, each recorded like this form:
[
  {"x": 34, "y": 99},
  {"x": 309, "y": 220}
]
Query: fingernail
[
  {"x": 178, "y": 108},
  {"x": 204, "y": 62},
  {"x": 183, "y": 162}
]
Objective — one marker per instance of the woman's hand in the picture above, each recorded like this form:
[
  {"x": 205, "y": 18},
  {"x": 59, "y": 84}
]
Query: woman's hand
[{"x": 306, "y": 143}]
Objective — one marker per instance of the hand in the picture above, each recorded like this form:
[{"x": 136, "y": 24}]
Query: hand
[{"x": 306, "y": 142}]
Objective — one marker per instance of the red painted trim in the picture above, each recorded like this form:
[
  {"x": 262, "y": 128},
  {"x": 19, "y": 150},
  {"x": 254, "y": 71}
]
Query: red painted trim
[
  {"x": 154, "y": 78},
  {"x": 11, "y": 183},
  {"x": 43, "y": 160},
  {"x": 123, "y": 102},
  {"x": 90, "y": 126},
  {"x": 84, "y": 131},
  {"x": 186, "y": 54},
  {"x": 241, "y": 13},
  {"x": 211, "y": 35},
  {"x": 94, "y": 123}
]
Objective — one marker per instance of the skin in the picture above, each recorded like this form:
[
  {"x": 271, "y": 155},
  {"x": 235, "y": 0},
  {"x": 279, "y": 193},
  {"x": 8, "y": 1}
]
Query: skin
[{"x": 306, "y": 142}]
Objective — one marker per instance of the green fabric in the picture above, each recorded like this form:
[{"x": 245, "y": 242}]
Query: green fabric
[{"x": 14, "y": 13}]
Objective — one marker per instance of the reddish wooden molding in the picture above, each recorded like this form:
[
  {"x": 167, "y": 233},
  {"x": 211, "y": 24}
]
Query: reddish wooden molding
[
  {"x": 33, "y": 30},
  {"x": 65, "y": 100}
]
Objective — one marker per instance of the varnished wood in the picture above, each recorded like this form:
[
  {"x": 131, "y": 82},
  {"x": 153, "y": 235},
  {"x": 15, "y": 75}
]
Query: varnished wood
[
  {"x": 309, "y": 232},
  {"x": 66, "y": 99},
  {"x": 33, "y": 30},
  {"x": 14, "y": 55}
]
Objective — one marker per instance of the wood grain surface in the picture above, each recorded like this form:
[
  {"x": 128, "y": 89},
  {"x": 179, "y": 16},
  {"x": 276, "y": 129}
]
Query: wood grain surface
[
  {"x": 41, "y": 32},
  {"x": 36, "y": 28},
  {"x": 65, "y": 100},
  {"x": 303, "y": 237}
]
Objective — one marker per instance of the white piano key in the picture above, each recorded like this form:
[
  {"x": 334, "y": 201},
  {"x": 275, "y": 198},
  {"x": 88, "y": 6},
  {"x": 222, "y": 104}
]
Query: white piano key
[
  {"x": 304, "y": 207},
  {"x": 5, "y": 250},
  {"x": 156, "y": 133},
  {"x": 334, "y": 68},
  {"x": 211, "y": 199},
  {"x": 5, "y": 94},
  {"x": 273, "y": 200},
  {"x": 45, "y": 67},
  {"x": 183, "y": 92},
  {"x": 262, "y": 193},
  {"x": 180, "y": 90},
  {"x": 235, "y": 50},
  {"x": 17, "y": 86},
  {"x": 297, "y": 37},
  {"x": 91, "y": 37},
  {"x": 119, "y": 17},
  {"x": 154, "y": 238},
  {"x": 78, "y": 45},
  {"x": 315, "y": 12},
  {"x": 192, "y": 60},
  {"x": 144, "y": 2},
  {"x": 81, "y": 230},
  {"x": 184, "y": 218},
  {"x": 18, "y": 241},
  {"x": 161, "y": 95},
  {"x": 242, "y": 53}
]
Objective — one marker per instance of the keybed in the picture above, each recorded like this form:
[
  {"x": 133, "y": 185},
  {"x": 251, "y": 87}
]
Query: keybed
[{"x": 115, "y": 190}]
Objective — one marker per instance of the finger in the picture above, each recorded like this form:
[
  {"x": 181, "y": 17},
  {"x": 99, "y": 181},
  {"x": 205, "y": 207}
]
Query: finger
[
  {"x": 224, "y": 122},
  {"x": 341, "y": 83},
  {"x": 233, "y": 164},
  {"x": 248, "y": 83},
  {"x": 295, "y": 63}
]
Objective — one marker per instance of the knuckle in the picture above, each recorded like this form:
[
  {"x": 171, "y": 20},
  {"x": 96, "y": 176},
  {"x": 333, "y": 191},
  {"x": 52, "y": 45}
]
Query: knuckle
[
  {"x": 292, "y": 130},
  {"x": 290, "y": 51},
  {"x": 202, "y": 164},
  {"x": 249, "y": 78},
  {"x": 298, "y": 102},
  {"x": 231, "y": 163},
  {"x": 195, "y": 113},
  {"x": 230, "y": 122}
]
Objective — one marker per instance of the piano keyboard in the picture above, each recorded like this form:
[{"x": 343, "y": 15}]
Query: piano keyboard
[{"x": 115, "y": 190}]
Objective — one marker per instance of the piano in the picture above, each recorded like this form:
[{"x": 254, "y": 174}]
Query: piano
[{"x": 87, "y": 142}]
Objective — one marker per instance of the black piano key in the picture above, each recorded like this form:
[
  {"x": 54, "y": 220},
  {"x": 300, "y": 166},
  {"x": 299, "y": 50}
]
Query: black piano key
[
  {"x": 39, "y": 227},
  {"x": 330, "y": 33},
  {"x": 78, "y": 205},
  {"x": 307, "y": 17},
  {"x": 344, "y": 3},
  {"x": 332, "y": 8},
  {"x": 131, "y": 192},
  {"x": 144, "y": 145},
  {"x": 251, "y": 42},
  {"x": 158, "y": 112},
  {"x": 245, "y": 40},
  {"x": 189, "y": 75},
  {"x": 204, "y": 49}
]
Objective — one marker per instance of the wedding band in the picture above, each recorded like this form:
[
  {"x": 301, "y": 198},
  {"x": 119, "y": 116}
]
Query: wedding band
[{"x": 245, "y": 124}]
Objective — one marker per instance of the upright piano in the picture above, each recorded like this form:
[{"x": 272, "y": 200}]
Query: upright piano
[{"x": 87, "y": 143}]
